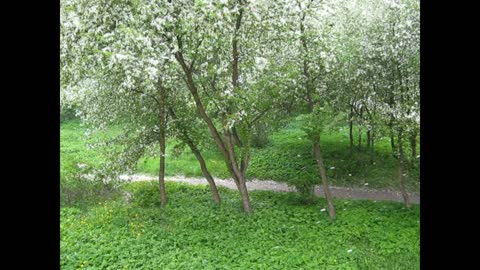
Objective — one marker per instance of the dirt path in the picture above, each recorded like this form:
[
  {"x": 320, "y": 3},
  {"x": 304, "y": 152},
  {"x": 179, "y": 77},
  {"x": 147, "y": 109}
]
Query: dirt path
[{"x": 338, "y": 192}]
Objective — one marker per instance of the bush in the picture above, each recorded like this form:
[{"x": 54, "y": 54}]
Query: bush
[
  {"x": 145, "y": 194},
  {"x": 67, "y": 114},
  {"x": 259, "y": 136},
  {"x": 78, "y": 186}
]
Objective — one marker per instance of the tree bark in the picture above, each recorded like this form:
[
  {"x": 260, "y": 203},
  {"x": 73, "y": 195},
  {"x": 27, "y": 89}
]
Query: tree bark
[
  {"x": 392, "y": 137},
  {"x": 372, "y": 147},
  {"x": 392, "y": 143},
  {"x": 323, "y": 176},
  {"x": 350, "y": 131},
  {"x": 413, "y": 146},
  {"x": 238, "y": 172},
  {"x": 360, "y": 152},
  {"x": 400, "y": 164},
  {"x": 186, "y": 138},
  {"x": 369, "y": 138},
  {"x": 206, "y": 173},
  {"x": 242, "y": 187},
  {"x": 226, "y": 147},
  {"x": 315, "y": 141},
  {"x": 161, "y": 174},
  {"x": 359, "y": 139}
]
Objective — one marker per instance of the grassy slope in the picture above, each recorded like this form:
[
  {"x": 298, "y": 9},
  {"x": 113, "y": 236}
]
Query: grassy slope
[
  {"x": 287, "y": 157},
  {"x": 192, "y": 233}
]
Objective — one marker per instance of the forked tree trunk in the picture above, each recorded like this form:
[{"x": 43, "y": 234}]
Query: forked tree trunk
[
  {"x": 242, "y": 187},
  {"x": 401, "y": 172},
  {"x": 238, "y": 172},
  {"x": 316, "y": 140},
  {"x": 206, "y": 173},
  {"x": 323, "y": 176},
  {"x": 226, "y": 147},
  {"x": 161, "y": 174},
  {"x": 223, "y": 146},
  {"x": 186, "y": 138}
]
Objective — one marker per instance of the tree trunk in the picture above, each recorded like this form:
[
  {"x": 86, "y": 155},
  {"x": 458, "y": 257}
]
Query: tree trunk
[
  {"x": 359, "y": 139},
  {"x": 226, "y": 147},
  {"x": 392, "y": 137},
  {"x": 323, "y": 175},
  {"x": 316, "y": 141},
  {"x": 369, "y": 139},
  {"x": 206, "y": 173},
  {"x": 401, "y": 176},
  {"x": 161, "y": 174},
  {"x": 360, "y": 154},
  {"x": 242, "y": 187},
  {"x": 186, "y": 138},
  {"x": 231, "y": 136},
  {"x": 229, "y": 156},
  {"x": 237, "y": 172},
  {"x": 372, "y": 147},
  {"x": 350, "y": 131},
  {"x": 413, "y": 146}
]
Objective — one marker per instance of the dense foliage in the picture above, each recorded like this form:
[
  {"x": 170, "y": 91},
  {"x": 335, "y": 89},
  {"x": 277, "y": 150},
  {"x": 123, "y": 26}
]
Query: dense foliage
[
  {"x": 243, "y": 66},
  {"x": 193, "y": 233},
  {"x": 306, "y": 92}
]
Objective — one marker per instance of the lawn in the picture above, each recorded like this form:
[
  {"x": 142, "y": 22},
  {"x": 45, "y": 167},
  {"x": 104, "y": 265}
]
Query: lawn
[
  {"x": 193, "y": 233},
  {"x": 287, "y": 157}
]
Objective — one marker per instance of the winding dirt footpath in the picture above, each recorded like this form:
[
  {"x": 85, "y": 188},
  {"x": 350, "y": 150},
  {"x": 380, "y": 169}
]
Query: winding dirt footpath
[{"x": 337, "y": 192}]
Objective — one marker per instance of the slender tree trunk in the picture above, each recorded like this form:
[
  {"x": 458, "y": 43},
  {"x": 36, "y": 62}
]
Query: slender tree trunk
[
  {"x": 242, "y": 187},
  {"x": 231, "y": 134},
  {"x": 392, "y": 143},
  {"x": 369, "y": 139},
  {"x": 413, "y": 146},
  {"x": 359, "y": 139},
  {"x": 323, "y": 176},
  {"x": 208, "y": 176},
  {"x": 186, "y": 138},
  {"x": 238, "y": 172},
  {"x": 316, "y": 141},
  {"x": 225, "y": 147},
  {"x": 229, "y": 155},
  {"x": 161, "y": 174},
  {"x": 401, "y": 172},
  {"x": 372, "y": 148},
  {"x": 360, "y": 153},
  {"x": 392, "y": 137},
  {"x": 350, "y": 131}
]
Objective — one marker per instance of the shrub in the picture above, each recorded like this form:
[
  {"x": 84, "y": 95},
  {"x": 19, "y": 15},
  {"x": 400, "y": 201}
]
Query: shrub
[
  {"x": 259, "y": 136},
  {"x": 67, "y": 114},
  {"x": 144, "y": 194},
  {"x": 79, "y": 186}
]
